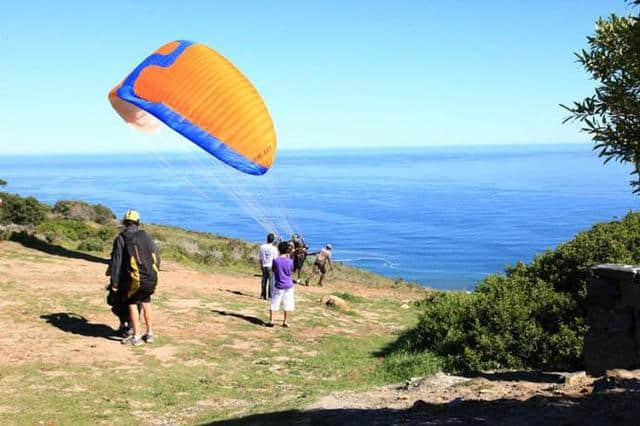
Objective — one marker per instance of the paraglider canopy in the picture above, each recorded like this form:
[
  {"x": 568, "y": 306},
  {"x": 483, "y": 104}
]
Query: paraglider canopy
[{"x": 201, "y": 95}]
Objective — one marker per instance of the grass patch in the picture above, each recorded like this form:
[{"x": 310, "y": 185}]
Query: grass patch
[
  {"x": 401, "y": 366},
  {"x": 348, "y": 297}
]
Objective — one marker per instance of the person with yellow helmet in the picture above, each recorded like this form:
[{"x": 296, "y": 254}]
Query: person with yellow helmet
[{"x": 134, "y": 274}]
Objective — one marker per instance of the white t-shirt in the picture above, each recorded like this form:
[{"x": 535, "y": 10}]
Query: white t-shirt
[{"x": 267, "y": 253}]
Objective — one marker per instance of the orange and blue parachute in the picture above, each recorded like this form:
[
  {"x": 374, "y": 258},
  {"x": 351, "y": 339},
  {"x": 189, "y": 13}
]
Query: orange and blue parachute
[{"x": 204, "y": 97}]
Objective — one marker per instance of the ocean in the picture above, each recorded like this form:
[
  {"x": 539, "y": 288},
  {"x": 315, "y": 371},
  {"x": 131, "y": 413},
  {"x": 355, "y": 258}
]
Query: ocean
[{"x": 443, "y": 217}]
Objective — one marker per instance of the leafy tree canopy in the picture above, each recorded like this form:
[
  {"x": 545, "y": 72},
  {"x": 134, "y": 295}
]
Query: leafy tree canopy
[{"x": 611, "y": 115}]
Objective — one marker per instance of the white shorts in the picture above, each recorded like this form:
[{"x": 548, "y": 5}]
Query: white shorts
[{"x": 284, "y": 297}]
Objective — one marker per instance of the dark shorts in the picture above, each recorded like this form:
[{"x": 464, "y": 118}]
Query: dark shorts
[
  {"x": 140, "y": 296},
  {"x": 298, "y": 261},
  {"x": 321, "y": 266}
]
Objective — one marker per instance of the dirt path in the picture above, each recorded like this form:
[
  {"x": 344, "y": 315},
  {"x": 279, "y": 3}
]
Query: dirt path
[{"x": 25, "y": 270}]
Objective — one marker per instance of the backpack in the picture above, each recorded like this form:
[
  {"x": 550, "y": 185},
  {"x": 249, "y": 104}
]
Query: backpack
[{"x": 140, "y": 261}]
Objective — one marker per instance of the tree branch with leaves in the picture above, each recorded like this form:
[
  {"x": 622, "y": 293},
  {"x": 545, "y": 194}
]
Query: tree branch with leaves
[{"x": 611, "y": 116}]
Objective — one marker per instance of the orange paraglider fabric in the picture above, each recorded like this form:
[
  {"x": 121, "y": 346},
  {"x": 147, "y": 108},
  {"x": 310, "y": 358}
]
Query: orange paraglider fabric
[{"x": 204, "y": 97}]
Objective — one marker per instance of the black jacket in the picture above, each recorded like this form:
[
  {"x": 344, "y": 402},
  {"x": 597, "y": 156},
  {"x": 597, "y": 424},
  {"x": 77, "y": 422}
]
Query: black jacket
[{"x": 134, "y": 260}]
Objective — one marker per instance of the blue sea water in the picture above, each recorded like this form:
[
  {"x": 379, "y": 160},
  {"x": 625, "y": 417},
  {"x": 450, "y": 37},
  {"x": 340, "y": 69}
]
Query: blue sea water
[{"x": 444, "y": 217}]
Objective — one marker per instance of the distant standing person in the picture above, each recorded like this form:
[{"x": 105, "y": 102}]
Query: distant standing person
[
  {"x": 283, "y": 288},
  {"x": 266, "y": 254},
  {"x": 134, "y": 265},
  {"x": 323, "y": 259},
  {"x": 299, "y": 253}
]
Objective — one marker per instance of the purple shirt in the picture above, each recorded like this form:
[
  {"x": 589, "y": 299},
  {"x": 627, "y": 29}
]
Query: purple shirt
[{"x": 282, "y": 269}]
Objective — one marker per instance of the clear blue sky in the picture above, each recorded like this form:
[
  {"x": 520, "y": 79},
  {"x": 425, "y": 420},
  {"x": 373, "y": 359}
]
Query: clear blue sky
[{"x": 333, "y": 73}]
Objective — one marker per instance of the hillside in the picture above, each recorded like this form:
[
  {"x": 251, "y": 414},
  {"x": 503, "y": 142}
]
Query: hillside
[
  {"x": 214, "y": 361},
  {"x": 213, "y": 358}
]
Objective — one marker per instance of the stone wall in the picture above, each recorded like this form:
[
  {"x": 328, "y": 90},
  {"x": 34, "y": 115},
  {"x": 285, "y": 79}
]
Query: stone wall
[{"x": 613, "y": 313}]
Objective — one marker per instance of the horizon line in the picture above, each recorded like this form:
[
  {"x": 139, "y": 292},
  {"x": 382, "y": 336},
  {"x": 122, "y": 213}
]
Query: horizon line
[{"x": 308, "y": 149}]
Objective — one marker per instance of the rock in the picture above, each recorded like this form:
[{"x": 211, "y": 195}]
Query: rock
[
  {"x": 405, "y": 306},
  {"x": 620, "y": 373},
  {"x": 335, "y": 302},
  {"x": 602, "y": 293},
  {"x": 613, "y": 314},
  {"x": 607, "y": 351},
  {"x": 573, "y": 379},
  {"x": 610, "y": 320}
]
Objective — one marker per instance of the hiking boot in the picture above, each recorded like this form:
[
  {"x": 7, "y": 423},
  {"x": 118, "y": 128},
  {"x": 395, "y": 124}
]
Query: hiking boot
[
  {"x": 148, "y": 338},
  {"x": 133, "y": 341}
]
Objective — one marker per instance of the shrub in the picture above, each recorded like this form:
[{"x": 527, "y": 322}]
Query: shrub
[
  {"x": 103, "y": 213},
  {"x": 80, "y": 210},
  {"x": 71, "y": 229},
  {"x": 22, "y": 211},
  {"x": 531, "y": 317},
  {"x": 92, "y": 244}
]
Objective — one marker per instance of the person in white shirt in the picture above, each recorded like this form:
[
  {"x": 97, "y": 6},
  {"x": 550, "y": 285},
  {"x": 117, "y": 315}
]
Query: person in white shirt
[{"x": 267, "y": 253}]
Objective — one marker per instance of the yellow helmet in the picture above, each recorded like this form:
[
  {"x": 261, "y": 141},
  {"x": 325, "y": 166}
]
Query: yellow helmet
[{"x": 132, "y": 216}]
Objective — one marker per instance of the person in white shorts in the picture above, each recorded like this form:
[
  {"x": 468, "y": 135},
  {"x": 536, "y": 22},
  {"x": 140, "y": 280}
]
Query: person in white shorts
[{"x": 283, "y": 288}]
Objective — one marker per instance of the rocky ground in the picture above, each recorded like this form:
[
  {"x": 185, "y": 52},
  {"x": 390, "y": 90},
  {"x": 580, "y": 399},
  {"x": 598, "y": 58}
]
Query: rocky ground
[{"x": 501, "y": 398}]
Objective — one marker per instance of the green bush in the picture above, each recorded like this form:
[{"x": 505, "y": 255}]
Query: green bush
[
  {"x": 90, "y": 237},
  {"x": 72, "y": 209},
  {"x": 22, "y": 211},
  {"x": 92, "y": 244},
  {"x": 531, "y": 317},
  {"x": 505, "y": 323},
  {"x": 104, "y": 214},
  {"x": 71, "y": 229}
]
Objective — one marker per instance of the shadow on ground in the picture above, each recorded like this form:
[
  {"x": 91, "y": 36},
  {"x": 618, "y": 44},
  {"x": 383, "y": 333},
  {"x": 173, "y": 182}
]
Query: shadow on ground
[
  {"x": 522, "y": 376},
  {"x": 611, "y": 405},
  {"x": 239, "y": 293},
  {"x": 77, "y": 324},
  {"x": 29, "y": 241},
  {"x": 248, "y": 318}
]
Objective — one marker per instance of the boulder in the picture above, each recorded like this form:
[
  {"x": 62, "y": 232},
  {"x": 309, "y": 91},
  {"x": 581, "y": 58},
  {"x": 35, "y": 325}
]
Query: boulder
[{"x": 335, "y": 302}]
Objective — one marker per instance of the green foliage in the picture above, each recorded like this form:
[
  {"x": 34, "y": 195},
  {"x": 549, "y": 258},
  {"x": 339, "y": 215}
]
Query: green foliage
[
  {"x": 400, "y": 366},
  {"x": 532, "y": 317},
  {"x": 611, "y": 116},
  {"x": 78, "y": 233},
  {"x": 71, "y": 229},
  {"x": 92, "y": 244},
  {"x": 203, "y": 250},
  {"x": 80, "y": 210},
  {"x": 349, "y": 297},
  {"x": 22, "y": 211},
  {"x": 103, "y": 214}
]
